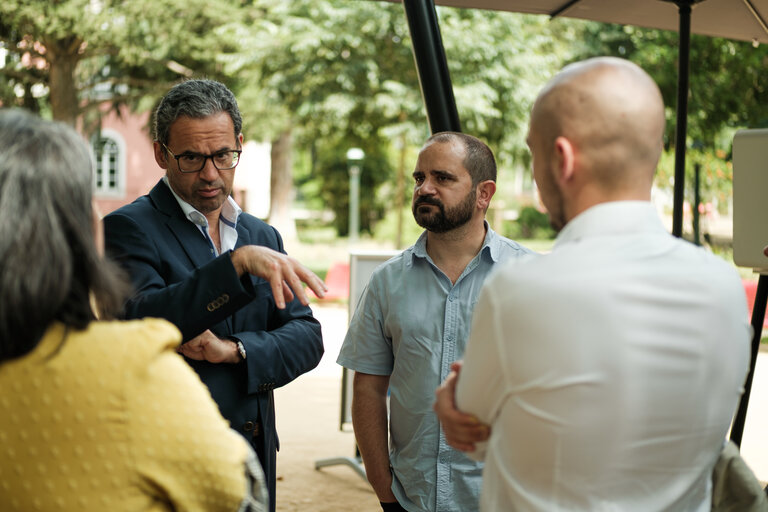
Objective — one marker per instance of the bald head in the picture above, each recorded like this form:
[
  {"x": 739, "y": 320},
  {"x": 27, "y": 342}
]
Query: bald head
[{"x": 612, "y": 113}]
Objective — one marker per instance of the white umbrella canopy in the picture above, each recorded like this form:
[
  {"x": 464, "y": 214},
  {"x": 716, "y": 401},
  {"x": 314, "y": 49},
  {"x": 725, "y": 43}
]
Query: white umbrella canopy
[{"x": 744, "y": 20}]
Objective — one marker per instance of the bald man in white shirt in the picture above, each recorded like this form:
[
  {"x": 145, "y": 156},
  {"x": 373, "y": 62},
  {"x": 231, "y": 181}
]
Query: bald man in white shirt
[{"x": 608, "y": 370}]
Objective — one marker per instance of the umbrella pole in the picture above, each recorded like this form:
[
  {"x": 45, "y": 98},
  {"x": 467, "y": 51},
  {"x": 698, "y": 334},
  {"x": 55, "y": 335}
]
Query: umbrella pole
[
  {"x": 684, "y": 58},
  {"x": 758, "y": 317},
  {"x": 432, "y": 66}
]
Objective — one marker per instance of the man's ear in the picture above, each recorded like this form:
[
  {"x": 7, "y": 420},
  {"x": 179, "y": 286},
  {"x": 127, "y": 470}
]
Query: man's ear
[
  {"x": 161, "y": 157},
  {"x": 565, "y": 159},
  {"x": 240, "y": 141},
  {"x": 485, "y": 190}
]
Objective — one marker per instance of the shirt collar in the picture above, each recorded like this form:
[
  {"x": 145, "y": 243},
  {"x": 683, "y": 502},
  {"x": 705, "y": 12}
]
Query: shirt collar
[
  {"x": 491, "y": 245},
  {"x": 615, "y": 217},
  {"x": 229, "y": 212}
]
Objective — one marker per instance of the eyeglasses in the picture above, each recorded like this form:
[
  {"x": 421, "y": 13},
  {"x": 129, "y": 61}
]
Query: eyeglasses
[{"x": 194, "y": 162}]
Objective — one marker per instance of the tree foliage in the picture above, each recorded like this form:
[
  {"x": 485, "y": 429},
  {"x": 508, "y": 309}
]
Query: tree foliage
[
  {"x": 498, "y": 63},
  {"x": 727, "y": 86},
  {"x": 727, "y": 91},
  {"x": 67, "y": 56},
  {"x": 335, "y": 74},
  {"x": 343, "y": 72}
]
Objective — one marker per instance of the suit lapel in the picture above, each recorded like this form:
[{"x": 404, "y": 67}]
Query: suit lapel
[
  {"x": 243, "y": 235},
  {"x": 190, "y": 239}
]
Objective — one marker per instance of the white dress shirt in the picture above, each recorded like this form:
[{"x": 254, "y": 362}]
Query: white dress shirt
[
  {"x": 230, "y": 212},
  {"x": 609, "y": 369}
]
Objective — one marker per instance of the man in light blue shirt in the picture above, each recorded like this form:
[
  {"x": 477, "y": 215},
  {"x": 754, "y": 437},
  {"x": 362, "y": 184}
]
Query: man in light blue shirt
[{"x": 413, "y": 321}]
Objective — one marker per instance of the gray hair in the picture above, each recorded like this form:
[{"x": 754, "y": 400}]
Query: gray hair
[
  {"x": 50, "y": 269},
  {"x": 478, "y": 161},
  {"x": 196, "y": 99}
]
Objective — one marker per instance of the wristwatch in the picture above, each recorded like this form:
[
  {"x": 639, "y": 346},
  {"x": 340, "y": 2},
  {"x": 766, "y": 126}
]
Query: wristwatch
[{"x": 241, "y": 349}]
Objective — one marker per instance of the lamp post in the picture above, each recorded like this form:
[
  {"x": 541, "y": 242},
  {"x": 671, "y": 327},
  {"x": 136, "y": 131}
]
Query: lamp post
[{"x": 355, "y": 158}]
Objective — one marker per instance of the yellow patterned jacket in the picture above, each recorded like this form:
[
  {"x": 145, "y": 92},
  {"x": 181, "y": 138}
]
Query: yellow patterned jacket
[{"x": 111, "y": 418}]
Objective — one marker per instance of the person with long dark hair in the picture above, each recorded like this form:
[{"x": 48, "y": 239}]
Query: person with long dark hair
[{"x": 95, "y": 413}]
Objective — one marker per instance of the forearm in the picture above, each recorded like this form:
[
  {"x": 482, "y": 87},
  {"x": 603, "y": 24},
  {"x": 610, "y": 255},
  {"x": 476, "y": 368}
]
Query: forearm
[
  {"x": 278, "y": 356},
  {"x": 369, "y": 418},
  {"x": 207, "y": 296},
  {"x": 482, "y": 387},
  {"x": 462, "y": 431}
]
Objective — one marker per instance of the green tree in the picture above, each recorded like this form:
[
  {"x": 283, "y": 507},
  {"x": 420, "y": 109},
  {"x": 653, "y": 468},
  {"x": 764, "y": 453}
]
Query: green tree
[
  {"x": 71, "y": 55},
  {"x": 333, "y": 74},
  {"x": 727, "y": 91},
  {"x": 340, "y": 74},
  {"x": 498, "y": 63}
]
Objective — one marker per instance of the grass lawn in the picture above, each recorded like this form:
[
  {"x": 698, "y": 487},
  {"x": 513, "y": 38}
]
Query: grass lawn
[{"x": 538, "y": 245}]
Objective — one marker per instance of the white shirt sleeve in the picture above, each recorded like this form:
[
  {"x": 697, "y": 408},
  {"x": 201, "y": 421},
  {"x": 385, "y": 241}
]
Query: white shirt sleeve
[{"x": 482, "y": 383}]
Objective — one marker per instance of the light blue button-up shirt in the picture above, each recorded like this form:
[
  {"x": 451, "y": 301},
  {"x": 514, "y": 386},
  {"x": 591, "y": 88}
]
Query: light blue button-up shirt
[{"x": 411, "y": 323}]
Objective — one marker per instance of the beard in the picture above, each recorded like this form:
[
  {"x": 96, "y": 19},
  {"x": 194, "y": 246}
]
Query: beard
[{"x": 443, "y": 220}]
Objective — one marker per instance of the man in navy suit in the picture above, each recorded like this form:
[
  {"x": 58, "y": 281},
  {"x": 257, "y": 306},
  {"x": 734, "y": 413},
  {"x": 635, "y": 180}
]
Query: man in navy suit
[{"x": 220, "y": 275}]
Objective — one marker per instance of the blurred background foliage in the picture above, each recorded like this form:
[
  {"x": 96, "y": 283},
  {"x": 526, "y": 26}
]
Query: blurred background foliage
[{"x": 317, "y": 77}]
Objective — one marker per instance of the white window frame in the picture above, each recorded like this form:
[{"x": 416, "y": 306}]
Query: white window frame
[{"x": 99, "y": 166}]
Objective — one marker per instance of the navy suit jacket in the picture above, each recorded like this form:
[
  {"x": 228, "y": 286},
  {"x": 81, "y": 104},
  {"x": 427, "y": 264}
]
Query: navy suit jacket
[{"x": 176, "y": 277}]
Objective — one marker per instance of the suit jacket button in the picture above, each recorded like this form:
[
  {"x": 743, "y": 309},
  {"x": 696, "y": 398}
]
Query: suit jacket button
[{"x": 249, "y": 425}]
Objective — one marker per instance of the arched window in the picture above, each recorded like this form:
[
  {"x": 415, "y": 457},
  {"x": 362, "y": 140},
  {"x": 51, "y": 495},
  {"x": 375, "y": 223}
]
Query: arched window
[{"x": 109, "y": 154}]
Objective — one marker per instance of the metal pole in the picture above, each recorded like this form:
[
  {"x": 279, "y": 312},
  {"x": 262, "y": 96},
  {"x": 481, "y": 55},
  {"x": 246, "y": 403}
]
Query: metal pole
[
  {"x": 432, "y": 66},
  {"x": 696, "y": 203},
  {"x": 684, "y": 6},
  {"x": 355, "y": 158},
  {"x": 758, "y": 317},
  {"x": 354, "y": 202}
]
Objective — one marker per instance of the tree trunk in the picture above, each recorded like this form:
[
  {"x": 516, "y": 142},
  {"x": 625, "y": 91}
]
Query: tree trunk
[
  {"x": 63, "y": 56},
  {"x": 281, "y": 186},
  {"x": 400, "y": 193}
]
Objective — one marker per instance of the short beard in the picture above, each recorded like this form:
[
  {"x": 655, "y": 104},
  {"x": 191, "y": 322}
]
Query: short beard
[{"x": 444, "y": 220}]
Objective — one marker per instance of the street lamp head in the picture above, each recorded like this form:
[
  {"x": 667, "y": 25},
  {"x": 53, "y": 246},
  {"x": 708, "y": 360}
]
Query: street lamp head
[{"x": 355, "y": 155}]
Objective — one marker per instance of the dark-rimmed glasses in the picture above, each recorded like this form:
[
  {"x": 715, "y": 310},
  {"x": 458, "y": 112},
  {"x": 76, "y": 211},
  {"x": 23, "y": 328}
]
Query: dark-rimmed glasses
[{"x": 194, "y": 162}]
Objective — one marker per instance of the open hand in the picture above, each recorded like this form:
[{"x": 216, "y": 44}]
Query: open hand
[{"x": 284, "y": 273}]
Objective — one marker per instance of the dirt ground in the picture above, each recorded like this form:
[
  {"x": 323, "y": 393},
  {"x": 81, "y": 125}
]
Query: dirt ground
[
  {"x": 308, "y": 426},
  {"x": 308, "y": 412}
]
